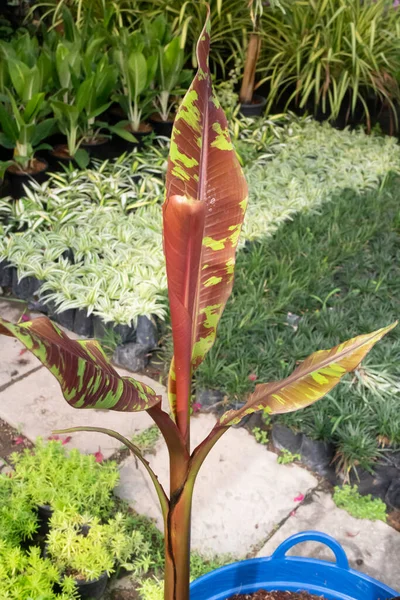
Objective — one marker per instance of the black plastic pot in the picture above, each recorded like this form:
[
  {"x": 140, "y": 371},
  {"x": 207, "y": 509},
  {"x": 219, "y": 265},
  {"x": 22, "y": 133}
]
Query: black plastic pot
[
  {"x": 255, "y": 108},
  {"x": 83, "y": 323},
  {"x": 92, "y": 590},
  {"x": 6, "y": 273},
  {"x": 101, "y": 148},
  {"x": 58, "y": 162},
  {"x": 26, "y": 288},
  {"x": 45, "y": 513},
  {"x": 18, "y": 179},
  {"x": 161, "y": 127},
  {"x": 285, "y": 438}
]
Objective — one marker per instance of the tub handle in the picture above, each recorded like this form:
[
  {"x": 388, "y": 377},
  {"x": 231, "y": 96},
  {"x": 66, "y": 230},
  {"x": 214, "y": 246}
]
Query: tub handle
[{"x": 313, "y": 536}]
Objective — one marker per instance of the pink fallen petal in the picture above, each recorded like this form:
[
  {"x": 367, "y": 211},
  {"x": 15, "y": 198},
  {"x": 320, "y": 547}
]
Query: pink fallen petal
[
  {"x": 98, "y": 456},
  {"x": 53, "y": 438},
  {"x": 196, "y": 407},
  {"x": 25, "y": 318},
  {"x": 299, "y": 498},
  {"x": 22, "y": 351},
  {"x": 252, "y": 377},
  {"x": 66, "y": 440},
  {"x": 19, "y": 440},
  {"x": 293, "y": 513}
]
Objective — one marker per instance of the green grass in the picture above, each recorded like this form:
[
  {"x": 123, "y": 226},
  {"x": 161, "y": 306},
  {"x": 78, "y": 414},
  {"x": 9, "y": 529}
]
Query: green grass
[{"x": 339, "y": 270}]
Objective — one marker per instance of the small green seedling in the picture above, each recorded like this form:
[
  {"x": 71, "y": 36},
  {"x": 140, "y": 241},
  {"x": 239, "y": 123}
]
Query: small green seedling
[
  {"x": 147, "y": 439},
  {"x": 286, "y": 457},
  {"x": 361, "y": 507},
  {"x": 261, "y": 435}
]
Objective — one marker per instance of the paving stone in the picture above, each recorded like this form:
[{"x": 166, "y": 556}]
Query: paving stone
[
  {"x": 371, "y": 547},
  {"x": 241, "y": 492},
  {"x": 36, "y": 406},
  {"x": 13, "y": 364}
]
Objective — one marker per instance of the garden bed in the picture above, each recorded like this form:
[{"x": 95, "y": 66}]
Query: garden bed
[{"x": 301, "y": 284}]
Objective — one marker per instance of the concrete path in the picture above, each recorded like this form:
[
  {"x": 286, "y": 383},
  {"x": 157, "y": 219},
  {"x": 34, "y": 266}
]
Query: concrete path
[{"x": 245, "y": 503}]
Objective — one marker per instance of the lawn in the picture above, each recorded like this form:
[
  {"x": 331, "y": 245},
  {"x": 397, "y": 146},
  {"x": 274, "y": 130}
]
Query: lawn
[{"x": 323, "y": 277}]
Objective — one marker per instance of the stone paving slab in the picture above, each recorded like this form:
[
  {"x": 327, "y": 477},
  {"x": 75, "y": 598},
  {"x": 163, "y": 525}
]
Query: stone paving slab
[
  {"x": 12, "y": 363},
  {"x": 241, "y": 493},
  {"x": 35, "y": 406},
  {"x": 371, "y": 547}
]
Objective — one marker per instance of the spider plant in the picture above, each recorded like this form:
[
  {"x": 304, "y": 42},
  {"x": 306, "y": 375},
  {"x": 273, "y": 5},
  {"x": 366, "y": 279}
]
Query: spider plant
[
  {"x": 201, "y": 226},
  {"x": 332, "y": 56}
]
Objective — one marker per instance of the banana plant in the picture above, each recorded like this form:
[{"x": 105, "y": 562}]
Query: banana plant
[{"x": 205, "y": 204}]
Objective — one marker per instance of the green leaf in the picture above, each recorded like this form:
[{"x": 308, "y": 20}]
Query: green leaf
[
  {"x": 85, "y": 374},
  {"x": 33, "y": 107},
  {"x": 137, "y": 67},
  {"x": 82, "y": 158},
  {"x": 43, "y": 130},
  {"x": 8, "y": 125},
  {"x": 123, "y": 133},
  {"x": 20, "y": 75}
]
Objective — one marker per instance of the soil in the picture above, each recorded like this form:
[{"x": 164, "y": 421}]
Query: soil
[
  {"x": 157, "y": 118},
  {"x": 264, "y": 595},
  {"x": 393, "y": 519},
  {"x": 96, "y": 141},
  {"x": 61, "y": 151},
  {"x": 143, "y": 128},
  {"x": 11, "y": 441},
  {"x": 36, "y": 166}
]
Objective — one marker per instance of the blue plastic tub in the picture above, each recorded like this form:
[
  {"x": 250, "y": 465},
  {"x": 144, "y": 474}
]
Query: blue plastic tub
[{"x": 334, "y": 581}]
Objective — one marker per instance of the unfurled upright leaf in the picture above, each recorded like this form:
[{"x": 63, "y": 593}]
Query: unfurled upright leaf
[
  {"x": 87, "y": 378},
  {"x": 206, "y": 197},
  {"x": 314, "y": 378}
]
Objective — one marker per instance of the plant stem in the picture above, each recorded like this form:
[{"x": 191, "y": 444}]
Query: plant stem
[
  {"x": 249, "y": 74},
  {"x": 177, "y": 545}
]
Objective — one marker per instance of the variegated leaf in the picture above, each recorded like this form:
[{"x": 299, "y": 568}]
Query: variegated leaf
[
  {"x": 206, "y": 199},
  {"x": 314, "y": 378},
  {"x": 87, "y": 378}
]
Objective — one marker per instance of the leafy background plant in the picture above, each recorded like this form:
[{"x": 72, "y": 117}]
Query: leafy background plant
[{"x": 361, "y": 507}]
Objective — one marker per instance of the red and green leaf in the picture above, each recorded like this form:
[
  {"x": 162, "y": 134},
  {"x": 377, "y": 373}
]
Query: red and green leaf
[
  {"x": 87, "y": 378},
  {"x": 314, "y": 378},
  {"x": 206, "y": 197},
  {"x": 311, "y": 381}
]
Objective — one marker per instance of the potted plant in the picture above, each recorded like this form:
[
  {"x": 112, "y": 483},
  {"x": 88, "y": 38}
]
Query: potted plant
[
  {"x": 83, "y": 548},
  {"x": 18, "y": 519},
  {"x": 25, "y": 575},
  {"x": 171, "y": 79},
  {"x": 202, "y": 217},
  {"x": 23, "y": 131},
  {"x": 52, "y": 478},
  {"x": 136, "y": 70}
]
